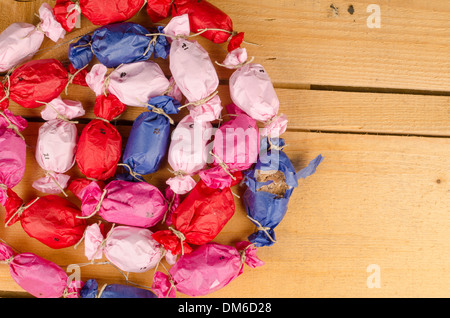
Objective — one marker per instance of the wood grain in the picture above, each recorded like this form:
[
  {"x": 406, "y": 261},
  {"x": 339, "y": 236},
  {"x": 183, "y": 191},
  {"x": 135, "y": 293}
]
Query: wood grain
[
  {"x": 382, "y": 194},
  {"x": 400, "y": 114},
  {"x": 307, "y": 42},
  {"x": 374, "y": 200}
]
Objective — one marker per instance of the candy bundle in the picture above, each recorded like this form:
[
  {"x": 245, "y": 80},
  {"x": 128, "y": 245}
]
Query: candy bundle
[
  {"x": 179, "y": 224},
  {"x": 38, "y": 276},
  {"x": 57, "y": 143}
]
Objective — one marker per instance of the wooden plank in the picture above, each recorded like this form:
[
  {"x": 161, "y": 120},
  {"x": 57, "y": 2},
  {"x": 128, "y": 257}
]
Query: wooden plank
[
  {"x": 366, "y": 112},
  {"x": 320, "y": 111},
  {"x": 309, "y": 42},
  {"x": 374, "y": 200},
  {"x": 321, "y": 42}
]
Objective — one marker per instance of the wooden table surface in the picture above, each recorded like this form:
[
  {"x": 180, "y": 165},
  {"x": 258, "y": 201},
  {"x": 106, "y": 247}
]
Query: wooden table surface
[{"x": 374, "y": 220}]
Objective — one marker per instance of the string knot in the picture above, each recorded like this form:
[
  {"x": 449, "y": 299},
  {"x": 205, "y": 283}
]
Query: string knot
[
  {"x": 97, "y": 207},
  {"x": 264, "y": 229},
  {"x": 135, "y": 175},
  {"x": 72, "y": 76},
  {"x": 201, "y": 101},
  {"x": 180, "y": 236},
  {"x": 20, "y": 210},
  {"x": 49, "y": 174},
  {"x": 178, "y": 173},
  {"x": 223, "y": 165},
  {"x": 7, "y": 261},
  {"x": 160, "y": 111}
]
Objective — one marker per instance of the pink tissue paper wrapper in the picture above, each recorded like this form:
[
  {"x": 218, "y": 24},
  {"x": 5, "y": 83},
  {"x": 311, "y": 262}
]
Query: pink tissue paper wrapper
[
  {"x": 20, "y": 41},
  {"x": 193, "y": 71},
  {"x": 205, "y": 270},
  {"x": 56, "y": 144},
  {"x": 133, "y": 84},
  {"x": 13, "y": 153},
  {"x": 39, "y": 277},
  {"x": 188, "y": 152},
  {"x": 131, "y": 249},
  {"x": 236, "y": 143},
  {"x": 138, "y": 204}
]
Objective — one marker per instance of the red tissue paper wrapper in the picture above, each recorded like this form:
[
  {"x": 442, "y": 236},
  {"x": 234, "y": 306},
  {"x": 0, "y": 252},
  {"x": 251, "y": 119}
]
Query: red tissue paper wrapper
[{"x": 199, "y": 217}]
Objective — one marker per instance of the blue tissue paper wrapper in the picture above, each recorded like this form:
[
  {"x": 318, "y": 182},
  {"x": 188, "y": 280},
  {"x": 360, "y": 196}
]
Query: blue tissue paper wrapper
[
  {"x": 121, "y": 43},
  {"x": 80, "y": 53},
  {"x": 90, "y": 290},
  {"x": 116, "y": 44},
  {"x": 149, "y": 138},
  {"x": 266, "y": 208}
]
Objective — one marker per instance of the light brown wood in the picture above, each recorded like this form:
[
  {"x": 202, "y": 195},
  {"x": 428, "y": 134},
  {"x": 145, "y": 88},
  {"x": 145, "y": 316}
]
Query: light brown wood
[
  {"x": 309, "y": 42},
  {"x": 374, "y": 200},
  {"x": 381, "y": 196},
  {"x": 311, "y": 110}
]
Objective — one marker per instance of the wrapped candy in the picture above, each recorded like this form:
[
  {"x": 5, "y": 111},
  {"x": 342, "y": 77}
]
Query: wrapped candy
[
  {"x": 207, "y": 269},
  {"x": 149, "y": 138},
  {"x": 116, "y": 44},
  {"x": 56, "y": 144},
  {"x": 193, "y": 71},
  {"x": 100, "y": 144},
  {"x": 137, "y": 204},
  {"x": 38, "y": 276},
  {"x": 20, "y": 41},
  {"x": 102, "y": 12},
  {"x": 129, "y": 248},
  {"x": 158, "y": 10},
  {"x": 235, "y": 148},
  {"x": 13, "y": 152},
  {"x": 203, "y": 15},
  {"x": 51, "y": 219},
  {"x": 34, "y": 83},
  {"x": 252, "y": 91},
  {"x": 270, "y": 185},
  {"x": 67, "y": 14},
  {"x": 198, "y": 218},
  {"x": 134, "y": 84},
  {"x": 90, "y": 290},
  {"x": 188, "y": 153}
]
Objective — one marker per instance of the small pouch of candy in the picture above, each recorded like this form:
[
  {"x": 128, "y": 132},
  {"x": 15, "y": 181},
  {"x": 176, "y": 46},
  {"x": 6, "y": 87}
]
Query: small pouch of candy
[
  {"x": 35, "y": 82},
  {"x": 20, "y": 41},
  {"x": 56, "y": 144},
  {"x": 193, "y": 71},
  {"x": 203, "y": 15},
  {"x": 38, "y": 276},
  {"x": 149, "y": 138},
  {"x": 13, "y": 152},
  {"x": 137, "y": 204},
  {"x": 51, "y": 219},
  {"x": 207, "y": 269},
  {"x": 134, "y": 84},
  {"x": 67, "y": 13},
  {"x": 131, "y": 249},
  {"x": 116, "y": 44},
  {"x": 100, "y": 145},
  {"x": 198, "y": 218},
  {"x": 102, "y": 12},
  {"x": 252, "y": 91},
  {"x": 188, "y": 153},
  {"x": 90, "y": 290},
  {"x": 235, "y": 148},
  {"x": 270, "y": 185}
]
